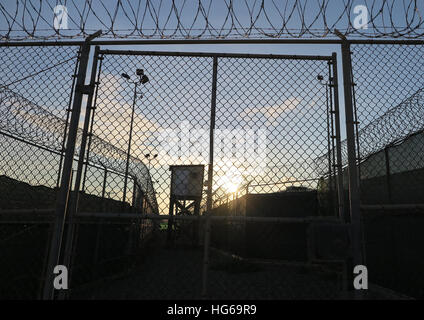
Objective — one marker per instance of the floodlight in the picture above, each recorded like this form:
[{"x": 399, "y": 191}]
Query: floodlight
[
  {"x": 124, "y": 75},
  {"x": 144, "y": 79}
]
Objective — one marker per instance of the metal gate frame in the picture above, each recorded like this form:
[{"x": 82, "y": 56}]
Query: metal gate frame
[
  {"x": 82, "y": 89},
  {"x": 334, "y": 137},
  {"x": 333, "y": 85}
]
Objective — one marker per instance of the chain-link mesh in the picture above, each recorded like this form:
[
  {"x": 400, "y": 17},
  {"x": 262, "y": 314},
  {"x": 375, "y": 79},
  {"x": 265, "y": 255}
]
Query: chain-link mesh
[
  {"x": 36, "y": 96},
  {"x": 267, "y": 259},
  {"x": 271, "y": 118},
  {"x": 177, "y": 96},
  {"x": 267, "y": 180},
  {"x": 160, "y": 266},
  {"x": 35, "y": 93},
  {"x": 389, "y": 106},
  {"x": 390, "y": 111}
]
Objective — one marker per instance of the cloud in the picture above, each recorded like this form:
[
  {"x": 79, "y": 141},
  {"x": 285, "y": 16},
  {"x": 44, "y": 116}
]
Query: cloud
[
  {"x": 112, "y": 119},
  {"x": 272, "y": 112}
]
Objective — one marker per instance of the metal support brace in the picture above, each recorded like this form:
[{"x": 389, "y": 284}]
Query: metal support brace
[
  {"x": 210, "y": 178},
  {"x": 66, "y": 179}
]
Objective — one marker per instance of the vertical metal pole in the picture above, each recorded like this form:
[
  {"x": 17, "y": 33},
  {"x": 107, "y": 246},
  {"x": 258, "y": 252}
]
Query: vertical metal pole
[
  {"x": 90, "y": 133},
  {"x": 388, "y": 174},
  {"x": 169, "y": 230},
  {"x": 65, "y": 131},
  {"x": 129, "y": 143},
  {"x": 333, "y": 169},
  {"x": 340, "y": 187},
  {"x": 100, "y": 225},
  {"x": 329, "y": 135},
  {"x": 356, "y": 122},
  {"x": 355, "y": 214},
  {"x": 75, "y": 195},
  {"x": 65, "y": 186},
  {"x": 73, "y": 204},
  {"x": 134, "y": 195},
  {"x": 133, "y": 222},
  {"x": 171, "y": 212},
  {"x": 104, "y": 189},
  {"x": 210, "y": 178}
]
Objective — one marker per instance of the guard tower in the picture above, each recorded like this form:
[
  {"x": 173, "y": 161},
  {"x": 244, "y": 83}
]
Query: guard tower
[{"x": 186, "y": 194}]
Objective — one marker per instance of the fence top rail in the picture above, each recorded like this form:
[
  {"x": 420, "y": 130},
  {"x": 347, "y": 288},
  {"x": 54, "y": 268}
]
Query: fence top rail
[
  {"x": 214, "y": 55},
  {"x": 209, "y": 41}
]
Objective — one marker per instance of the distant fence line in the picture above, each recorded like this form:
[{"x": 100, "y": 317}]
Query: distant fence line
[
  {"x": 393, "y": 127},
  {"x": 21, "y": 118}
]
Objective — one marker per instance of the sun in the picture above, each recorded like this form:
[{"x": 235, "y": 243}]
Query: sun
[
  {"x": 230, "y": 182},
  {"x": 231, "y": 187}
]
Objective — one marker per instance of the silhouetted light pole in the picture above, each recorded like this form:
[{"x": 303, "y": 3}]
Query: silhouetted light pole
[
  {"x": 330, "y": 136},
  {"x": 142, "y": 79},
  {"x": 149, "y": 158}
]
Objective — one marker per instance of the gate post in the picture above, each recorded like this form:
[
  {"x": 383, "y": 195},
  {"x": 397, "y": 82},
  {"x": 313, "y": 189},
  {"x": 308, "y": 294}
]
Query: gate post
[
  {"x": 354, "y": 197},
  {"x": 339, "y": 165},
  {"x": 66, "y": 180},
  {"x": 74, "y": 196},
  {"x": 210, "y": 178},
  {"x": 388, "y": 174}
]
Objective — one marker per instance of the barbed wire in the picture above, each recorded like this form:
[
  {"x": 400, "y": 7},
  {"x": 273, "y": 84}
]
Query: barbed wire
[
  {"x": 393, "y": 127},
  {"x": 207, "y": 19},
  {"x": 21, "y": 118}
]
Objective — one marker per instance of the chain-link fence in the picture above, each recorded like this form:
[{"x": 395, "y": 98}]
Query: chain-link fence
[
  {"x": 389, "y": 107},
  {"x": 37, "y": 93},
  {"x": 186, "y": 175},
  {"x": 390, "y": 147},
  {"x": 36, "y": 90}
]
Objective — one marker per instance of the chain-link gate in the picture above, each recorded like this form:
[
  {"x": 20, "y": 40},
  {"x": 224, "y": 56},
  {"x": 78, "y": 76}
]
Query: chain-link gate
[
  {"x": 208, "y": 175},
  {"x": 254, "y": 124},
  {"x": 273, "y": 116}
]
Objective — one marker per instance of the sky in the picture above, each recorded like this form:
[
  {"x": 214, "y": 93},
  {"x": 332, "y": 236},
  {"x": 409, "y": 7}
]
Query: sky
[{"x": 282, "y": 97}]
